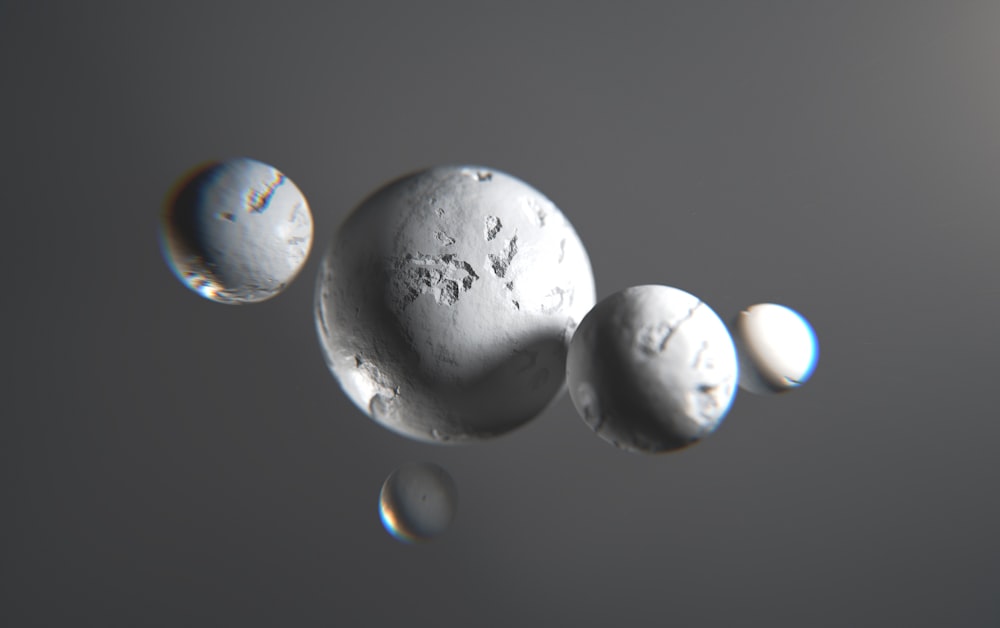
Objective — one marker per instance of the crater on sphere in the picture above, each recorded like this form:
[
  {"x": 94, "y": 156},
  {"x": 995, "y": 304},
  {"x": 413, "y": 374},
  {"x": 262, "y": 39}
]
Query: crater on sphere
[
  {"x": 236, "y": 231},
  {"x": 458, "y": 294},
  {"x": 652, "y": 369}
]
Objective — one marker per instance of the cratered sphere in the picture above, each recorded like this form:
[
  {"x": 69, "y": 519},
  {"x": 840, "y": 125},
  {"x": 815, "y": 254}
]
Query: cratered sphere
[
  {"x": 652, "y": 369},
  {"x": 236, "y": 231},
  {"x": 445, "y": 302},
  {"x": 777, "y": 347},
  {"x": 418, "y": 502}
]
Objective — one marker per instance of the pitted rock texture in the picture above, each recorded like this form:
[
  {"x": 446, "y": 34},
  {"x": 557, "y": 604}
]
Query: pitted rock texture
[
  {"x": 237, "y": 231},
  {"x": 458, "y": 287},
  {"x": 651, "y": 369}
]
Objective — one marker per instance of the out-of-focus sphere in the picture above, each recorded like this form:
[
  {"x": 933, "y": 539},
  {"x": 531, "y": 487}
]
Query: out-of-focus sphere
[
  {"x": 777, "y": 347},
  {"x": 237, "y": 231},
  {"x": 418, "y": 502},
  {"x": 651, "y": 369},
  {"x": 445, "y": 303}
]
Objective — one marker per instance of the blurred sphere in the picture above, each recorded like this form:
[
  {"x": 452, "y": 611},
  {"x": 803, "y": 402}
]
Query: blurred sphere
[
  {"x": 651, "y": 369},
  {"x": 418, "y": 502},
  {"x": 777, "y": 347},
  {"x": 445, "y": 302},
  {"x": 236, "y": 231}
]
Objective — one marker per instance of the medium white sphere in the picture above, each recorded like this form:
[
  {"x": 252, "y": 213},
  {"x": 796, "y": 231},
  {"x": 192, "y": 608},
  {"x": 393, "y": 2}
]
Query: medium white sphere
[
  {"x": 418, "y": 502},
  {"x": 651, "y": 369},
  {"x": 445, "y": 303},
  {"x": 777, "y": 347},
  {"x": 237, "y": 231}
]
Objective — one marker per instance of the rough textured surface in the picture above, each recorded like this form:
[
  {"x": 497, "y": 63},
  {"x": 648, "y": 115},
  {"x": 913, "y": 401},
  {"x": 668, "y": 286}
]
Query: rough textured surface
[
  {"x": 418, "y": 502},
  {"x": 777, "y": 348},
  {"x": 445, "y": 303},
  {"x": 238, "y": 231},
  {"x": 652, "y": 368}
]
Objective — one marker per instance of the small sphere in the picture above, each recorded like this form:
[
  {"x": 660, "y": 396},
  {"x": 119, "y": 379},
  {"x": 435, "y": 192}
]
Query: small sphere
[
  {"x": 652, "y": 369},
  {"x": 236, "y": 231},
  {"x": 445, "y": 302},
  {"x": 418, "y": 502},
  {"x": 777, "y": 347}
]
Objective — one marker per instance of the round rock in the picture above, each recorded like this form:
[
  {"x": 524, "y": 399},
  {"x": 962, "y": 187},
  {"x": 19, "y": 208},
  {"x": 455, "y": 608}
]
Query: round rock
[
  {"x": 652, "y": 369},
  {"x": 445, "y": 302},
  {"x": 777, "y": 347},
  {"x": 418, "y": 502},
  {"x": 236, "y": 231}
]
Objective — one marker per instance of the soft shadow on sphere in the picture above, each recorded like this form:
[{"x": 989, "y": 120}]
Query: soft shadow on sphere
[
  {"x": 777, "y": 348},
  {"x": 652, "y": 369},
  {"x": 418, "y": 502},
  {"x": 178, "y": 219},
  {"x": 445, "y": 301},
  {"x": 237, "y": 231}
]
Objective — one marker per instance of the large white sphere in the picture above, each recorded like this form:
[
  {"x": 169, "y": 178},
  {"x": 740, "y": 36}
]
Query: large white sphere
[
  {"x": 652, "y": 368},
  {"x": 418, "y": 502},
  {"x": 237, "y": 231},
  {"x": 777, "y": 348},
  {"x": 445, "y": 303}
]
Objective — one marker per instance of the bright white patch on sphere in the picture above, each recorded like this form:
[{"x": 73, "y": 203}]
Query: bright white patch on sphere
[
  {"x": 445, "y": 303},
  {"x": 777, "y": 347},
  {"x": 237, "y": 231},
  {"x": 652, "y": 368},
  {"x": 418, "y": 502}
]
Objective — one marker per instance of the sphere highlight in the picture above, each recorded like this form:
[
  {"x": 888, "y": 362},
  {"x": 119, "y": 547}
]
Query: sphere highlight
[{"x": 777, "y": 346}]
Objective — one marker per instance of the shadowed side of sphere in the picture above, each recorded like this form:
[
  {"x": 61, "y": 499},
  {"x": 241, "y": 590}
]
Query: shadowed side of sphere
[
  {"x": 418, "y": 502},
  {"x": 181, "y": 240},
  {"x": 652, "y": 369},
  {"x": 750, "y": 379},
  {"x": 628, "y": 416},
  {"x": 613, "y": 399},
  {"x": 445, "y": 301},
  {"x": 237, "y": 231}
]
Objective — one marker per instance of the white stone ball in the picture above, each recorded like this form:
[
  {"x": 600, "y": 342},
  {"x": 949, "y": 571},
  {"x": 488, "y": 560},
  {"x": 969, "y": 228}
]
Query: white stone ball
[
  {"x": 445, "y": 303},
  {"x": 237, "y": 231},
  {"x": 777, "y": 347},
  {"x": 652, "y": 369}
]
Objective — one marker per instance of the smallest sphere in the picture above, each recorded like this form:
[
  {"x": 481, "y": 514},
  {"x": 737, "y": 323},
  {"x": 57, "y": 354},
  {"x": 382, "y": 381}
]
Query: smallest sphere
[{"x": 418, "y": 502}]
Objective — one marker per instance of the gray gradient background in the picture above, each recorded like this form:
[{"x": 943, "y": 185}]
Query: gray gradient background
[{"x": 166, "y": 461}]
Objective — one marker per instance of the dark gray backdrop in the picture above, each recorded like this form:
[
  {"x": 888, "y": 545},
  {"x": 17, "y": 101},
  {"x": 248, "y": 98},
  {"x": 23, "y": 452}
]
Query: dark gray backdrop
[{"x": 166, "y": 461}]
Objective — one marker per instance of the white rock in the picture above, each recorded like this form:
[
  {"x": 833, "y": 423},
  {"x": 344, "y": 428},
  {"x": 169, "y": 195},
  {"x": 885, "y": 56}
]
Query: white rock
[
  {"x": 445, "y": 303},
  {"x": 777, "y": 347},
  {"x": 652, "y": 368},
  {"x": 238, "y": 231}
]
